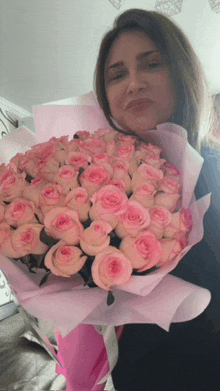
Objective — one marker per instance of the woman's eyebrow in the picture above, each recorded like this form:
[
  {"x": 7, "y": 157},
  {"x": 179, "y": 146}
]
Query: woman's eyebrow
[{"x": 139, "y": 57}]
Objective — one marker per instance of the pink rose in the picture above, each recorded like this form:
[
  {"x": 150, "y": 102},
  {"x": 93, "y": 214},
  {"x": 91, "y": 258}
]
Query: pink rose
[
  {"x": 51, "y": 196},
  {"x": 63, "y": 224},
  {"x": 20, "y": 211},
  {"x": 32, "y": 191},
  {"x": 92, "y": 145},
  {"x": 93, "y": 178},
  {"x": 169, "y": 185},
  {"x": 111, "y": 267},
  {"x": 64, "y": 260},
  {"x": 180, "y": 221},
  {"x": 160, "y": 218},
  {"x": 125, "y": 151},
  {"x": 151, "y": 148},
  {"x": 144, "y": 251},
  {"x": 100, "y": 158},
  {"x": 108, "y": 203},
  {"x": 78, "y": 159},
  {"x": 11, "y": 183},
  {"x": 26, "y": 240},
  {"x": 135, "y": 219},
  {"x": 120, "y": 171},
  {"x": 95, "y": 238},
  {"x": 67, "y": 178},
  {"x": 146, "y": 173},
  {"x": 172, "y": 248},
  {"x": 119, "y": 183},
  {"x": 144, "y": 194},
  {"x": 5, "y": 241},
  {"x": 29, "y": 165},
  {"x": 43, "y": 150},
  {"x": 123, "y": 139},
  {"x": 47, "y": 167},
  {"x": 152, "y": 159},
  {"x": 171, "y": 171},
  {"x": 78, "y": 200},
  {"x": 167, "y": 200}
]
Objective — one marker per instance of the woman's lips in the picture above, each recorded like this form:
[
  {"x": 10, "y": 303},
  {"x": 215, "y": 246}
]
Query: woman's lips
[{"x": 139, "y": 104}]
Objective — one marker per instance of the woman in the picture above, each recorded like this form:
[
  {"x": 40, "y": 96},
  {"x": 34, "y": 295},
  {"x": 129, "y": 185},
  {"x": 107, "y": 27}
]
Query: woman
[{"x": 147, "y": 73}]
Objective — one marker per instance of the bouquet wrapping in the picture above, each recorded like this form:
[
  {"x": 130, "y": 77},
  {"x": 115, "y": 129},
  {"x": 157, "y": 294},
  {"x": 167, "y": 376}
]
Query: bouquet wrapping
[{"x": 156, "y": 297}]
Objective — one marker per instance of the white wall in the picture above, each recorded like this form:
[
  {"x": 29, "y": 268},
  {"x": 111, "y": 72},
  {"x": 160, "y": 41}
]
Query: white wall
[{"x": 48, "y": 48}]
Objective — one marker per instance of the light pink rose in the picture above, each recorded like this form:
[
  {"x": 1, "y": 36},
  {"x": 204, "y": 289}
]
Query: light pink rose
[
  {"x": 123, "y": 139},
  {"x": 171, "y": 171},
  {"x": 32, "y": 191},
  {"x": 111, "y": 267},
  {"x": 167, "y": 200},
  {"x": 108, "y": 203},
  {"x": 92, "y": 145},
  {"x": 151, "y": 148},
  {"x": 180, "y": 221},
  {"x": 11, "y": 183},
  {"x": 26, "y": 240},
  {"x": 144, "y": 194},
  {"x": 160, "y": 218},
  {"x": 100, "y": 158},
  {"x": 67, "y": 178},
  {"x": 119, "y": 183},
  {"x": 169, "y": 185},
  {"x": 47, "y": 167},
  {"x": 78, "y": 159},
  {"x": 153, "y": 159},
  {"x": 146, "y": 173},
  {"x": 78, "y": 200},
  {"x": 20, "y": 211},
  {"x": 64, "y": 260},
  {"x": 43, "y": 150},
  {"x": 5, "y": 241},
  {"x": 125, "y": 151},
  {"x": 135, "y": 219},
  {"x": 74, "y": 145},
  {"x": 120, "y": 171},
  {"x": 144, "y": 251},
  {"x": 63, "y": 224},
  {"x": 51, "y": 196},
  {"x": 29, "y": 165},
  {"x": 172, "y": 248},
  {"x": 93, "y": 178},
  {"x": 95, "y": 238}
]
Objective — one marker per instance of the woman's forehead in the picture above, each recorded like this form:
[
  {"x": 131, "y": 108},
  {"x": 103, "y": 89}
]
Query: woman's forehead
[{"x": 132, "y": 42}]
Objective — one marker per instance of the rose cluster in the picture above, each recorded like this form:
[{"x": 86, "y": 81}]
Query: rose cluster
[{"x": 104, "y": 197}]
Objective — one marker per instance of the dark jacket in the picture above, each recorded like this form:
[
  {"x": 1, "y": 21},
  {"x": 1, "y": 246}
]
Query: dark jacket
[{"x": 187, "y": 358}]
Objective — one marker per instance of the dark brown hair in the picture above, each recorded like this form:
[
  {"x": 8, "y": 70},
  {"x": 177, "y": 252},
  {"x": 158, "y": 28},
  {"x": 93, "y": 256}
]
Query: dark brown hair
[{"x": 194, "y": 108}]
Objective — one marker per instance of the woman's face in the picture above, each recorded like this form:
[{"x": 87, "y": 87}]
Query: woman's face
[{"x": 137, "y": 83}]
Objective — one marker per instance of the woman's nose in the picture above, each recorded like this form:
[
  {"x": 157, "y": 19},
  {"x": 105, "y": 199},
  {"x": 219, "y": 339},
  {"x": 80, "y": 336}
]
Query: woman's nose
[{"x": 135, "y": 82}]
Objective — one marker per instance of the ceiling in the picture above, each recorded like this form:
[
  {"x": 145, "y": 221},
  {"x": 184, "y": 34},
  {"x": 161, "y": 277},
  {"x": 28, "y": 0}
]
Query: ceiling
[{"x": 48, "y": 48}]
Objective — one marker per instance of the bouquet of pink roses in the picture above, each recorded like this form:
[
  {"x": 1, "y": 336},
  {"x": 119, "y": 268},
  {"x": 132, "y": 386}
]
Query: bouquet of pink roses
[{"x": 102, "y": 205}]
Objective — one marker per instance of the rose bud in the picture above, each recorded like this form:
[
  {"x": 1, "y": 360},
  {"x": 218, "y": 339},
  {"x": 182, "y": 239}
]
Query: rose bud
[
  {"x": 67, "y": 178},
  {"x": 160, "y": 218},
  {"x": 144, "y": 194},
  {"x": 180, "y": 221},
  {"x": 95, "y": 238},
  {"x": 135, "y": 219},
  {"x": 5, "y": 241},
  {"x": 20, "y": 211},
  {"x": 51, "y": 196},
  {"x": 11, "y": 183},
  {"x": 111, "y": 267},
  {"x": 144, "y": 251},
  {"x": 32, "y": 191},
  {"x": 26, "y": 240},
  {"x": 64, "y": 260},
  {"x": 78, "y": 200},
  {"x": 78, "y": 159},
  {"x": 62, "y": 147},
  {"x": 108, "y": 203},
  {"x": 146, "y": 173},
  {"x": 93, "y": 178},
  {"x": 63, "y": 224}
]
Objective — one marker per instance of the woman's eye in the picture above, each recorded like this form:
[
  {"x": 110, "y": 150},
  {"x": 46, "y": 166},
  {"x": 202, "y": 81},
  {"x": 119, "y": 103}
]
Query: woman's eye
[
  {"x": 153, "y": 65},
  {"x": 116, "y": 76}
]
